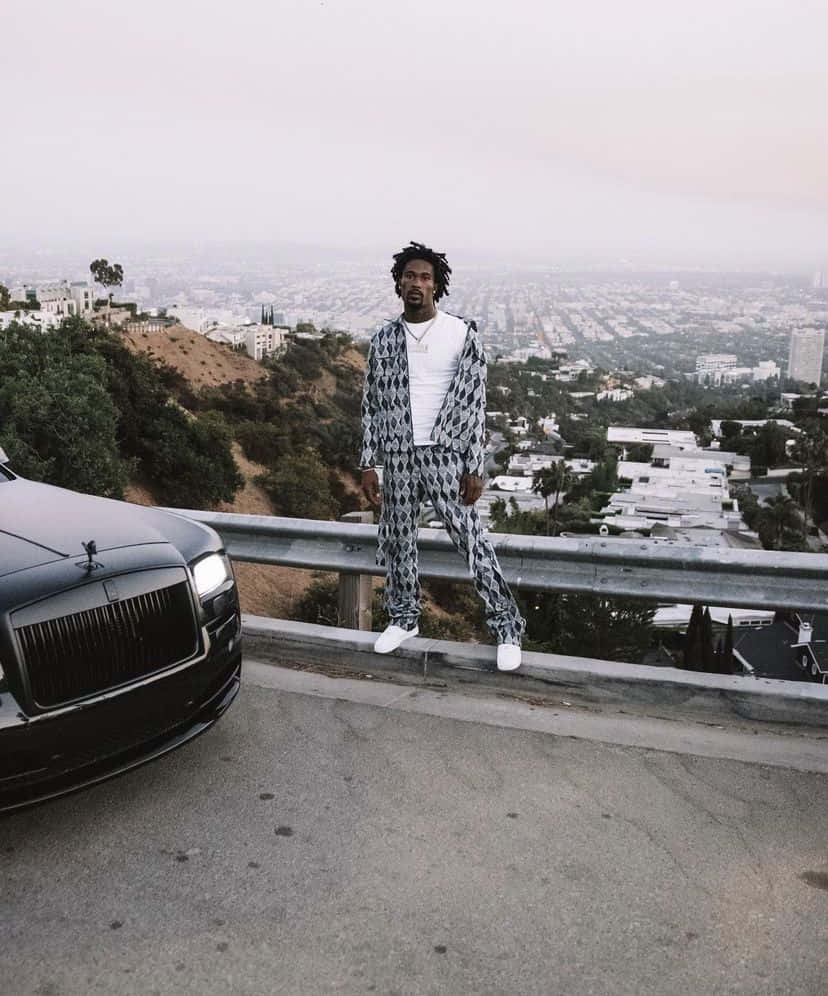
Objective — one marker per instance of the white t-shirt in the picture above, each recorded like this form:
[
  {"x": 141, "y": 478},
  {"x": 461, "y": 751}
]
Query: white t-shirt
[{"x": 432, "y": 364}]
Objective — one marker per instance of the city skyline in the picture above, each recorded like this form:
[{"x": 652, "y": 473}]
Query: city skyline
[{"x": 537, "y": 131}]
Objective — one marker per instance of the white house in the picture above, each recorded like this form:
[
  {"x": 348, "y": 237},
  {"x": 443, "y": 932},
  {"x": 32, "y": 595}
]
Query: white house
[
  {"x": 59, "y": 297},
  {"x": 615, "y": 394},
  {"x": 37, "y": 319},
  {"x": 228, "y": 335},
  {"x": 527, "y": 464},
  {"x": 263, "y": 340},
  {"x": 627, "y": 435}
]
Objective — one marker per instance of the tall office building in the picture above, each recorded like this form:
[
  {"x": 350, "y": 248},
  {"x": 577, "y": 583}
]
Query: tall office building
[{"x": 805, "y": 356}]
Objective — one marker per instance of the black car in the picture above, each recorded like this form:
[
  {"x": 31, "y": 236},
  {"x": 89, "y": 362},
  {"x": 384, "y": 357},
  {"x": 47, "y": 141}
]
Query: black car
[{"x": 120, "y": 636}]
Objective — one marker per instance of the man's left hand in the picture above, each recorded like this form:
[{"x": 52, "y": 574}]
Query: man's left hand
[{"x": 471, "y": 488}]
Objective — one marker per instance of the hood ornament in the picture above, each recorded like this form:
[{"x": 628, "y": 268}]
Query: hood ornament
[{"x": 89, "y": 565}]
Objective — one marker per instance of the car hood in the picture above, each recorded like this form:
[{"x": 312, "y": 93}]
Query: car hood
[{"x": 40, "y": 523}]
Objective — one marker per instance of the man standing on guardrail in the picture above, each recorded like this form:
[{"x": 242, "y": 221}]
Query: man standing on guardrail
[{"x": 424, "y": 423}]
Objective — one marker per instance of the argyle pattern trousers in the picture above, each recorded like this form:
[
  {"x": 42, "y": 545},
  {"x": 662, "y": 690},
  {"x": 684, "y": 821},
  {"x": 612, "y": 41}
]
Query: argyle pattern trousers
[{"x": 433, "y": 473}]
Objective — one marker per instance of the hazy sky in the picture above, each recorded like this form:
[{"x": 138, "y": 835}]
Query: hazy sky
[{"x": 529, "y": 125}]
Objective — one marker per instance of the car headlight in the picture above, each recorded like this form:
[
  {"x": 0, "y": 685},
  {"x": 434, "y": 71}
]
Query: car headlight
[{"x": 210, "y": 572}]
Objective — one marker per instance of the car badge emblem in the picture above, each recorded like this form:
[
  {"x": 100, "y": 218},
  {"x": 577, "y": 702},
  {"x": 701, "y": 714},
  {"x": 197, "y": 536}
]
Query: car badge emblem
[
  {"x": 89, "y": 565},
  {"x": 111, "y": 589}
]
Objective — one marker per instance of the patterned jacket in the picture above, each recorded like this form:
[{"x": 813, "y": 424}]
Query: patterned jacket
[{"x": 386, "y": 401}]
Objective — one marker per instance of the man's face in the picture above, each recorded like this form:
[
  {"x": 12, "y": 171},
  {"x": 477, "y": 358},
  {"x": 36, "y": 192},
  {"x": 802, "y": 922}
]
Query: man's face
[{"x": 417, "y": 283}]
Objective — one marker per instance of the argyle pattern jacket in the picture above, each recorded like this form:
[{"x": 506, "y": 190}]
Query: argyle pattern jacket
[{"x": 386, "y": 402}]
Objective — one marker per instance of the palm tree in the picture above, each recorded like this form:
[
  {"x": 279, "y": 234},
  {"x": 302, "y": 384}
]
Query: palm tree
[
  {"x": 776, "y": 515},
  {"x": 549, "y": 481}
]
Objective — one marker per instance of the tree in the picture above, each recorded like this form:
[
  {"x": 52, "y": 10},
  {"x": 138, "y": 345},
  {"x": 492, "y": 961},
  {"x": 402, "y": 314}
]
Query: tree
[
  {"x": 596, "y": 444},
  {"x": 807, "y": 404},
  {"x": 708, "y": 656},
  {"x": 699, "y": 422},
  {"x": 5, "y": 298},
  {"x": 57, "y": 421},
  {"x": 748, "y": 504},
  {"x": 299, "y": 487},
  {"x": 78, "y": 409},
  {"x": 189, "y": 460},
  {"x": 549, "y": 481},
  {"x": 604, "y": 475},
  {"x": 693, "y": 640},
  {"x": 106, "y": 274},
  {"x": 617, "y": 629},
  {"x": 811, "y": 450},
  {"x": 640, "y": 452},
  {"x": 730, "y": 432},
  {"x": 777, "y": 515},
  {"x": 773, "y": 438},
  {"x": 727, "y": 656},
  {"x": 503, "y": 456}
]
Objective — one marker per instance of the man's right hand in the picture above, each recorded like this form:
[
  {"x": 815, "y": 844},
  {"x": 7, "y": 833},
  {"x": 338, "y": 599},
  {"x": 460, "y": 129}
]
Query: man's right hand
[{"x": 370, "y": 487}]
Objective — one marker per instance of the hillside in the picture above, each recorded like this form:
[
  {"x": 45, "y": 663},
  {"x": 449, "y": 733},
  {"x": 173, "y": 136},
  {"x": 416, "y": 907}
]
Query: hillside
[
  {"x": 213, "y": 371},
  {"x": 201, "y": 362}
]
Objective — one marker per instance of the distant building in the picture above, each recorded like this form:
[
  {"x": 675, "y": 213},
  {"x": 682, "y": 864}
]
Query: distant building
[
  {"x": 678, "y": 616},
  {"x": 36, "y": 319},
  {"x": 262, "y": 340},
  {"x": 647, "y": 382},
  {"x": 766, "y": 370},
  {"x": 627, "y": 435},
  {"x": 227, "y": 335},
  {"x": 519, "y": 426},
  {"x": 711, "y": 367},
  {"x": 203, "y": 320},
  {"x": 615, "y": 394},
  {"x": 735, "y": 465},
  {"x": 580, "y": 466},
  {"x": 687, "y": 495},
  {"x": 59, "y": 298},
  {"x": 511, "y": 482},
  {"x": 715, "y": 361},
  {"x": 527, "y": 464},
  {"x": 151, "y": 324},
  {"x": 805, "y": 355},
  {"x": 572, "y": 371},
  {"x": 751, "y": 423},
  {"x": 81, "y": 292}
]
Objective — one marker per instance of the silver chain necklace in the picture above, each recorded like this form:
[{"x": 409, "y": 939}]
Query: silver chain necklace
[{"x": 420, "y": 347}]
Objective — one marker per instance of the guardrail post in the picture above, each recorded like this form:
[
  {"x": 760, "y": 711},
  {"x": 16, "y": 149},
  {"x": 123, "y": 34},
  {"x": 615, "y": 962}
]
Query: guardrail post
[{"x": 355, "y": 590}]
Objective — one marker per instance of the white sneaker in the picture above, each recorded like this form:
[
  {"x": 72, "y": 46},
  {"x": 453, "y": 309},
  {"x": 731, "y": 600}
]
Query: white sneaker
[
  {"x": 392, "y": 637},
  {"x": 508, "y": 656}
]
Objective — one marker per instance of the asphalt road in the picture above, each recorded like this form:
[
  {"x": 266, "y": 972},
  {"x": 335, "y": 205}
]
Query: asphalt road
[{"x": 314, "y": 845}]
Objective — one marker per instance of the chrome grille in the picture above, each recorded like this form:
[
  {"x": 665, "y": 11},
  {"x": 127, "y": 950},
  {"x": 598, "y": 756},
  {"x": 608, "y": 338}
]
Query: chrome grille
[{"x": 73, "y": 656}]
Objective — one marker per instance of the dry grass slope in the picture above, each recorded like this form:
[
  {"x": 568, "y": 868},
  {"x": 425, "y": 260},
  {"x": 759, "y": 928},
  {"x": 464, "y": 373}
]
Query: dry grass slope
[{"x": 203, "y": 363}]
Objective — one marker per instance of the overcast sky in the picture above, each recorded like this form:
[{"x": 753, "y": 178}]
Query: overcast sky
[{"x": 526, "y": 126}]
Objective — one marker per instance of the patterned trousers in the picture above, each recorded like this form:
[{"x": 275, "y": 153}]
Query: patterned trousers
[{"x": 433, "y": 473}]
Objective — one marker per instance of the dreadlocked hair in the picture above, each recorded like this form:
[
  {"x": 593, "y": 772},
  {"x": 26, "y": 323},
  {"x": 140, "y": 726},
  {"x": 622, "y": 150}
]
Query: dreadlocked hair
[{"x": 416, "y": 250}]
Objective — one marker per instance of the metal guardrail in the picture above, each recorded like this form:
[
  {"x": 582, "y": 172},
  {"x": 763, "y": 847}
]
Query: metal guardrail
[{"x": 651, "y": 570}]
